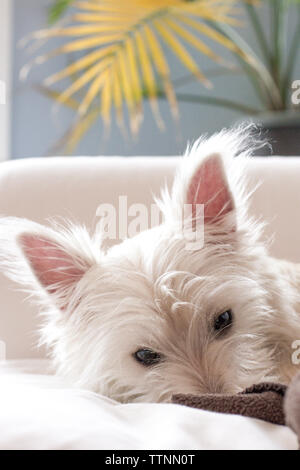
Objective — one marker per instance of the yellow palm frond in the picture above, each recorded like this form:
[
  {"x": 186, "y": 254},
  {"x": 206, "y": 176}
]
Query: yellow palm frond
[
  {"x": 117, "y": 97},
  {"x": 126, "y": 86},
  {"x": 162, "y": 68},
  {"x": 78, "y": 131},
  {"x": 122, "y": 46},
  {"x": 80, "y": 64},
  {"x": 106, "y": 100},
  {"x": 180, "y": 51},
  {"x": 211, "y": 33},
  {"x": 96, "y": 86},
  {"x": 84, "y": 80},
  {"x": 149, "y": 77},
  {"x": 192, "y": 40}
]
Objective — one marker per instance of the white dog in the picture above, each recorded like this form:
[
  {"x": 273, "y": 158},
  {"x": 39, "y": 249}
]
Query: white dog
[{"x": 149, "y": 317}]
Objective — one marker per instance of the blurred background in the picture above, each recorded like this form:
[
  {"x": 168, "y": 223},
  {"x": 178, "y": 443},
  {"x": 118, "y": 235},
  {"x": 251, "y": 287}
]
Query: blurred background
[{"x": 250, "y": 68}]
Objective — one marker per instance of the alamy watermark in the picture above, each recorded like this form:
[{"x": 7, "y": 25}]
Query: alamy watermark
[
  {"x": 126, "y": 221},
  {"x": 296, "y": 353},
  {"x": 296, "y": 93},
  {"x": 2, "y": 351},
  {"x": 2, "y": 92}
]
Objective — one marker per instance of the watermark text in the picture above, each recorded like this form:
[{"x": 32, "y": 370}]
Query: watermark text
[
  {"x": 126, "y": 221},
  {"x": 296, "y": 93},
  {"x": 2, "y": 92},
  {"x": 296, "y": 353}
]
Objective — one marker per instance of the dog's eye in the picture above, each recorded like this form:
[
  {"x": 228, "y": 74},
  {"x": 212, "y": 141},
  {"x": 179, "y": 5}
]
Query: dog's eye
[
  {"x": 223, "y": 321},
  {"x": 147, "y": 357}
]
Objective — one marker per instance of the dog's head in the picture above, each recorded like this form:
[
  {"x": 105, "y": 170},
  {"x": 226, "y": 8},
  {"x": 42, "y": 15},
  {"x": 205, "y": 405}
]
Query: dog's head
[{"x": 166, "y": 311}]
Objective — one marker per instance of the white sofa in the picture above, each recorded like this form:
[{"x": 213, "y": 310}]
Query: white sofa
[{"x": 39, "y": 189}]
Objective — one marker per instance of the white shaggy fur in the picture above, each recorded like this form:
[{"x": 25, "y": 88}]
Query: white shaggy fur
[{"x": 101, "y": 306}]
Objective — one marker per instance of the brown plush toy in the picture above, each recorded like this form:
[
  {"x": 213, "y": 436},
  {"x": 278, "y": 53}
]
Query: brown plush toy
[
  {"x": 292, "y": 406},
  {"x": 274, "y": 403},
  {"x": 263, "y": 401}
]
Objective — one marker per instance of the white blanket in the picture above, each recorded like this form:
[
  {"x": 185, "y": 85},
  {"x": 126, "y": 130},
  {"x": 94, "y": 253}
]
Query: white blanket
[{"x": 40, "y": 411}]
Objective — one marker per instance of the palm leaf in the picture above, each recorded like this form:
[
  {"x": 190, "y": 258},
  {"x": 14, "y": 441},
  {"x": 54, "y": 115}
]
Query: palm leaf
[
  {"x": 78, "y": 131},
  {"x": 124, "y": 60},
  {"x": 180, "y": 51},
  {"x": 125, "y": 81},
  {"x": 70, "y": 140},
  {"x": 162, "y": 67},
  {"x": 117, "y": 99},
  {"x": 193, "y": 40},
  {"x": 133, "y": 69},
  {"x": 106, "y": 100},
  {"x": 79, "y": 65},
  {"x": 149, "y": 77},
  {"x": 56, "y": 11},
  {"x": 96, "y": 86},
  {"x": 216, "y": 36},
  {"x": 83, "y": 80}
]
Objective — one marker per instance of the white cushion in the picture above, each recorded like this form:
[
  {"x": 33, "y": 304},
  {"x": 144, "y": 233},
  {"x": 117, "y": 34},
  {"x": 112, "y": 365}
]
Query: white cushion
[{"x": 39, "y": 411}]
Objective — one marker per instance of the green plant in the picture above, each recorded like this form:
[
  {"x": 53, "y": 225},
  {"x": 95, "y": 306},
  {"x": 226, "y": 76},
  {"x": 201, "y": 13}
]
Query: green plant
[
  {"x": 275, "y": 56},
  {"x": 123, "y": 62}
]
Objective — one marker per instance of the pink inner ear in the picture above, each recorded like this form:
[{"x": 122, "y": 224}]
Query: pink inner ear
[
  {"x": 209, "y": 187},
  {"x": 50, "y": 263}
]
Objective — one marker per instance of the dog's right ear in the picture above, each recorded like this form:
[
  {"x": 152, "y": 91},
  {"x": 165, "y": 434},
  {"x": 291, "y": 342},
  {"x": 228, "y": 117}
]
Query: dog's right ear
[
  {"x": 207, "y": 185},
  {"x": 202, "y": 182},
  {"x": 209, "y": 175},
  {"x": 44, "y": 260}
]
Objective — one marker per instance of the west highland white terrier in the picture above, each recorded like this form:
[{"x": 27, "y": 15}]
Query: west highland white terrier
[{"x": 155, "y": 315}]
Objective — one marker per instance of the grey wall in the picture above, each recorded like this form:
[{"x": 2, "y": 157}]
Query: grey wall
[{"x": 35, "y": 127}]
